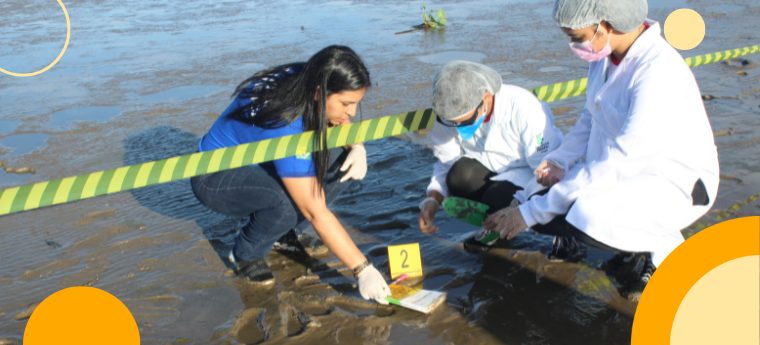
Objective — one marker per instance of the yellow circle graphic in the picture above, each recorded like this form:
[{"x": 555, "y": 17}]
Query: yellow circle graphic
[
  {"x": 684, "y": 29},
  {"x": 683, "y": 268},
  {"x": 727, "y": 298},
  {"x": 81, "y": 315},
  {"x": 60, "y": 55}
]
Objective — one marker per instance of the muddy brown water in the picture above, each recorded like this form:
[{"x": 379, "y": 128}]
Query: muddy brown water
[{"x": 143, "y": 80}]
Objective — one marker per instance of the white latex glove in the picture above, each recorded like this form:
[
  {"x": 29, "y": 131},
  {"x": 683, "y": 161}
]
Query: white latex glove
[
  {"x": 508, "y": 222},
  {"x": 549, "y": 173},
  {"x": 355, "y": 163},
  {"x": 428, "y": 208},
  {"x": 372, "y": 285}
]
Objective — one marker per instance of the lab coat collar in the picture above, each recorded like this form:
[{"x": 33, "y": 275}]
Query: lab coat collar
[{"x": 644, "y": 42}]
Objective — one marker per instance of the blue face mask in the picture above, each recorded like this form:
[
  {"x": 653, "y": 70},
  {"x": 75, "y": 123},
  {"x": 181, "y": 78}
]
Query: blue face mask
[{"x": 467, "y": 132}]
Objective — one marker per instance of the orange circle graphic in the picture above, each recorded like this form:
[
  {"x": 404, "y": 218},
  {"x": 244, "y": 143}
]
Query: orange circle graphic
[
  {"x": 683, "y": 268},
  {"x": 83, "y": 316}
]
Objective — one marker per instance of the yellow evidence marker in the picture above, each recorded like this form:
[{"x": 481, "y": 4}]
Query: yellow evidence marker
[{"x": 405, "y": 259}]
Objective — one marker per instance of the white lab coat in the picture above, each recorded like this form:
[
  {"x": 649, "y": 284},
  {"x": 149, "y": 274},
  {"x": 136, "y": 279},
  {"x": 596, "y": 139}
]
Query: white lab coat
[
  {"x": 511, "y": 144},
  {"x": 646, "y": 140}
]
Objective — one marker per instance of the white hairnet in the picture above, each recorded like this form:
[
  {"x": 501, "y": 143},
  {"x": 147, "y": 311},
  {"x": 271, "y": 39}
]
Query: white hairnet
[
  {"x": 623, "y": 15},
  {"x": 459, "y": 87}
]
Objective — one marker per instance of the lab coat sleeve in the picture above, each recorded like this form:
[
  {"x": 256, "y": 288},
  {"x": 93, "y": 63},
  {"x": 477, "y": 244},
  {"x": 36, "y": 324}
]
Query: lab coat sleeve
[
  {"x": 574, "y": 144},
  {"x": 643, "y": 134},
  {"x": 446, "y": 149}
]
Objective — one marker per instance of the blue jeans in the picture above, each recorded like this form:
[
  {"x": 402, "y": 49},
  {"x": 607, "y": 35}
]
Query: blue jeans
[{"x": 256, "y": 191}]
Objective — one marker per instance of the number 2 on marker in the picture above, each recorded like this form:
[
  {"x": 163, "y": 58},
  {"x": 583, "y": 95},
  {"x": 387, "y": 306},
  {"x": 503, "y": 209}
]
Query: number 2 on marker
[{"x": 405, "y": 259}]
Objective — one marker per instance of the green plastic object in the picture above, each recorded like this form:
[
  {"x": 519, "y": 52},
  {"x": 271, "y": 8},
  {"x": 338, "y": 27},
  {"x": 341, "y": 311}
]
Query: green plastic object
[{"x": 466, "y": 210}]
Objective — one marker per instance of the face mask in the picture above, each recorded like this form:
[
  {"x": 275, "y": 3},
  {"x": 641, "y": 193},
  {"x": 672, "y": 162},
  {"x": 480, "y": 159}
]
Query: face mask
[
  {"x": 467, "y": 132},
  {"x": 585, "y": 50}
]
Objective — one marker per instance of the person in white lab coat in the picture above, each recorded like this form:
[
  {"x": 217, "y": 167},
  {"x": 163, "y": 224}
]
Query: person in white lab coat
[
  {"x": 488, "y": 138},
  {"x": 641, "y": 162}
]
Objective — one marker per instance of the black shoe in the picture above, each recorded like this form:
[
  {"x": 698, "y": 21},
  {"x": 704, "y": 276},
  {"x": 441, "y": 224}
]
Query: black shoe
[
  {"x": 566, "y": 248},
  {"x": 300, "y": 244},
  {"x": 289, "y": 243},
  {"x": 632, "y": 271},
  {"x": 614, "y": 266},
  {"x": 256, "y": 271},
  {"x": 313, "y": 245},
  {"x": 481, "y": 242}
]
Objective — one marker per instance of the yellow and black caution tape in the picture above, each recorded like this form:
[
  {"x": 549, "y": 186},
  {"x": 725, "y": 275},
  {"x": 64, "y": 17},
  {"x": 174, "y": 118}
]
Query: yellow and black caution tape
[
  {"x": 37, "y": 195},
  {"x": 73, "y": 188},
  {"x": 559, "y": 91}
]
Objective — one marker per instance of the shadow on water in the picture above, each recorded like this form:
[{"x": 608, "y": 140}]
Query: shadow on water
[
  {"x": 176, "y": 199},
  {"x": 519, "y": 297}
]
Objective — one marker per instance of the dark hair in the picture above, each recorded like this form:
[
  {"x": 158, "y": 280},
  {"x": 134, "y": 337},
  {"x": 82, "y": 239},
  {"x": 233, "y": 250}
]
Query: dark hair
[{"x": 281, "y": 94}]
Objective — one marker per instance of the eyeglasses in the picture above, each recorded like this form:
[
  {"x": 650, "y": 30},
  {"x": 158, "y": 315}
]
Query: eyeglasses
[{"x": 469, "y": 121}]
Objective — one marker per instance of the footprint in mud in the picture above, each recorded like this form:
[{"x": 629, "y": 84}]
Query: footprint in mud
[
  {"x": 93, "y": 216},
  {"x": 99, "y": 239},
  {"x": 297, "y": 314},
  {"x": 308, "y": 294},
  {"x": 155, "y": 310},
  {"x": 293, "y": 321},
  {"x": 26, "y": 313},
  {"x": 249, "y": 326},
  {"x": 306, "y": 280},
  {"x": 308, "y": 303},
  {"x": 360, "y": 307},
  {"x": 62, "y": 266}
]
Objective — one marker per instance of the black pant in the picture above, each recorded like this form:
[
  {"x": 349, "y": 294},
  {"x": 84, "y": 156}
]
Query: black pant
[
  {"x": 469, "y": 179},
  {"x": 560, "y": 227}
]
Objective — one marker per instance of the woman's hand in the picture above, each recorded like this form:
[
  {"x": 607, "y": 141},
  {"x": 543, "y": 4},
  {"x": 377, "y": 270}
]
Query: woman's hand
[
  {"x": 549, "y": 173},
  {"x": 428, "y": 208},
  {"x": 355, "y": 163},
  {"x": 372, "y": 285},
  {"x": 508, "y": 222}
]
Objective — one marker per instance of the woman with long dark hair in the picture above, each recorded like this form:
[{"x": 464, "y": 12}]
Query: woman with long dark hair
[{"x": 290, "y": 99}]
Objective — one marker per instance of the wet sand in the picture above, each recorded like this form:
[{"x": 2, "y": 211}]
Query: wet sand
[{"x": 143, "y": 80}]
